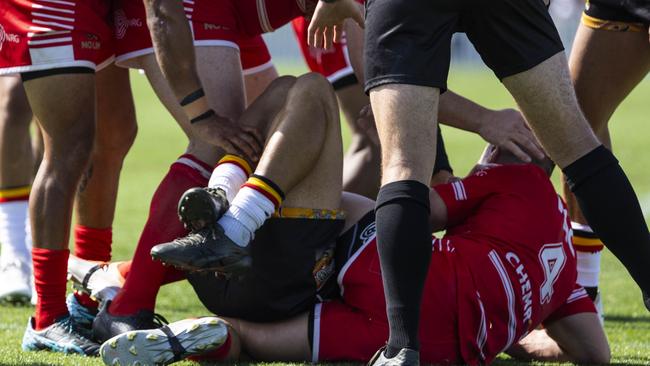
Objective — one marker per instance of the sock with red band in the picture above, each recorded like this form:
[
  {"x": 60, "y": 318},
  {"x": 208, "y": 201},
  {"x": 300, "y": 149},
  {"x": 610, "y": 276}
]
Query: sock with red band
[
  {"x": 258, "y": 199},
  {"x": 230, "y": 174},
  {"x": 14, "y": 225},
  {"x": 146, "y": 276},
  {"x": 50, "y": 278}
]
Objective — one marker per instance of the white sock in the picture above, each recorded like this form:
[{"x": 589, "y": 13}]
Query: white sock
[
  {"x": 247, "y": 213},
  {"x": 588, "y": 261},
  {"x": 15, "y": 235},
  {"x": 229, "y": 177},
  {"x": 588, "y": 268}
]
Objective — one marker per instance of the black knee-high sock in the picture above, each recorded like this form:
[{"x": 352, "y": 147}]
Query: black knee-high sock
[
  {"x": 612, "y": 209},
  {"x": 404, "y": 244}
]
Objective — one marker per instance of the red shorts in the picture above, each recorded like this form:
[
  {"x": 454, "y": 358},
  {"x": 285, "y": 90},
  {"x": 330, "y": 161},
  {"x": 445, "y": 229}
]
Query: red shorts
[
  {"x": 334, "y": 63},
  {"x": 355, "y": 328},
  {"x": 213, "y": 23},
  {"x": 46, "y": 34}
]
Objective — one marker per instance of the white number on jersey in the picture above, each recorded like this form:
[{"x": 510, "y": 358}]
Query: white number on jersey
[{"x": 552, "y": 258}]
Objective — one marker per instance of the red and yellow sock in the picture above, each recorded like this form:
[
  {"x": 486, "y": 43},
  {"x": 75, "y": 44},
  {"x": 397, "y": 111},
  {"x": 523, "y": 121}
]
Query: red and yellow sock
[{"x": 588, "y": 252}]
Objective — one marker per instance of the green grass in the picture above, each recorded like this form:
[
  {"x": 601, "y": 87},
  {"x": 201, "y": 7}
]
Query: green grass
[{"x": 159, "y": 142}]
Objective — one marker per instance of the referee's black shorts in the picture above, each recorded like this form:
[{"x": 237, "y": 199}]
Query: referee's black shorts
[
  {"x": 292, "y": 258},
  {"x": 408, "y": 41}
]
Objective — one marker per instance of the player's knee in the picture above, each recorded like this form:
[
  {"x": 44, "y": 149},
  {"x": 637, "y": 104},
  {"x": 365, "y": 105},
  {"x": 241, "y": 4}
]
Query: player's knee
[{"x": 313, "y": 81}]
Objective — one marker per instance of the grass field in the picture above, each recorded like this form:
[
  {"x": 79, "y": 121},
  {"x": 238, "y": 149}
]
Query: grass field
[{"x": 159, "y": 142}]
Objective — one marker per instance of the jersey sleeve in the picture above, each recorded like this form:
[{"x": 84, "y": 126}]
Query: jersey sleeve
[
  {"x": 578, "y": 302},
  {"x": 463, "y": 196}
]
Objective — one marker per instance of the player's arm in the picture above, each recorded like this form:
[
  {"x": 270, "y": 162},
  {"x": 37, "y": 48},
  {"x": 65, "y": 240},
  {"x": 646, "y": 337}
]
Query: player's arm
[
  {"x": 174, "y": 49},
  {"x": 577, "y": 338},
  {"x": 505, "y": 128}
]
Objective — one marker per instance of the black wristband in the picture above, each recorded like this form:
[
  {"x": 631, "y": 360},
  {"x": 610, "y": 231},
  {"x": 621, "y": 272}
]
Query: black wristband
[
  {"x": 329, "y": 1},
  {"x": 209, "y": 113},
  {"x": 192, "y": 97}
]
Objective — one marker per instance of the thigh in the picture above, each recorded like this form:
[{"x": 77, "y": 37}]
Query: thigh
[
  {"x": 605, "y": 66},
  {"x": 64, "y": 105},
  {"x": 408, "y": 42},
  {"x": 116, "y": 122},
  {"x": 511, "y": 35}
]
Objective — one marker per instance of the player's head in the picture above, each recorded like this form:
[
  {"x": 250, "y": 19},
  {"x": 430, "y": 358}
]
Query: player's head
[{"x": 494, "y": 155}]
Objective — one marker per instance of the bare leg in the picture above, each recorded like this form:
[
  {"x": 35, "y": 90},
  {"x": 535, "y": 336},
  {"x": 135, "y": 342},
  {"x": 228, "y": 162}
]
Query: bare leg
[
  {"x": 406, "y": 122},
  {"x": 16, "y": 166},
  {"x": 97, "y": 194},
  {"x": 65, "y": 108},
  {"x": 603, "y": 79},
  {"x": 362, "y": 162},
  {"x": 546, "y": 97},
  {"x": 308, "y": 170},
  {"x": 256, "y": 82}
]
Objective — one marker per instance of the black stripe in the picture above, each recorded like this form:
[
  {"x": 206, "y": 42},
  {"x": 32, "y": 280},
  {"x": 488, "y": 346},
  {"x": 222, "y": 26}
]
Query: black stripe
[
  {"x": 192, "y": 97},
  {"x": 347, "y": 80},
  {"x": 209, "y": 113},
  {"x": 270, "y": 183},
  {"x": 585, "y": 234},
  {"x": 31, "y": 75},
  {"x": 177, "y": 348}
]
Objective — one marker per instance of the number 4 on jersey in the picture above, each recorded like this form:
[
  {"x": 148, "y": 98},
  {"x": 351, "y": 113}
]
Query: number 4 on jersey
[{"x": 552, "y": 257}]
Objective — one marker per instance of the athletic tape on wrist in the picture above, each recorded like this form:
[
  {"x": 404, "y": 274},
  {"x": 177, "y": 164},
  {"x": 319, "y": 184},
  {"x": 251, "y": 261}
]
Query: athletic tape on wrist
[
  {"x": 209, "y": 113},
  {"x": 192, "y": 97}
]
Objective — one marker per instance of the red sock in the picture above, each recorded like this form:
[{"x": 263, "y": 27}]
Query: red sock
[
  {"x": 91, "y": 244},
  {"x": 146, "y": 276},
  {"x": 171, "y": 274},
  {"x": 50, "y": 278},
  {"x": 219, "y": 354}
]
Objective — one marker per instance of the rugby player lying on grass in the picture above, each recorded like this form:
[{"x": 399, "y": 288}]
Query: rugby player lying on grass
[{"x": 504, "y": 267}]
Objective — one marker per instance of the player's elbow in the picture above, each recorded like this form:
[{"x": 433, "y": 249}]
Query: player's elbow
[{"x": 595, "y": 355}]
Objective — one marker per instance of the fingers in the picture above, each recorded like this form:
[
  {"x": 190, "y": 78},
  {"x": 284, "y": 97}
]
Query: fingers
[
  {"x": 338, "y": 33},
  {"x": 515, "y": 150},
  {"x": 256, "y": 134},
  {"x": 328, "y": 34}
]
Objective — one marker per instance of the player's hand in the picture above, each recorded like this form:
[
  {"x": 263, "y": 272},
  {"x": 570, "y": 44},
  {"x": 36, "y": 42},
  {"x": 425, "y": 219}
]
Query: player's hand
[
  {"x": 326, "y": 24},
  {"x": 230, "y": 136},
  {"x": 507, "y": 129}
]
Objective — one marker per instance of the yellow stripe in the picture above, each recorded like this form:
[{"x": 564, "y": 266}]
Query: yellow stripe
[
  {"x": 239, "y": 160},
  {"x": 586, "y": 242},
  {"x": 260, "y": 183},
  {"x": 15, "y": 192},
  {"x": 611, "y": 25},
  {"x": 308, "y": 213}
]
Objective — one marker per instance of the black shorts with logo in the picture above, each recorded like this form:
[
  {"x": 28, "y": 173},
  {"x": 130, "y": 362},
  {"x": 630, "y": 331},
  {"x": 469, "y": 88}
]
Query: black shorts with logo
[
  {"x": 408, "y": 41},
  {"x": 292, "y": 260},
  {"x": 625, "y": 11}
]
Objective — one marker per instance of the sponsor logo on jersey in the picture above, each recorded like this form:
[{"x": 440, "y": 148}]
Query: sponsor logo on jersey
[
  {"x": 214, "y": 27},
  {"x": 7, "y": 37},
  {"x": 524, "y": 284},
  {"x": 368, "y": 233},
  {"x": 122, "y": 23},
  {"x": 92, "y": 42}
]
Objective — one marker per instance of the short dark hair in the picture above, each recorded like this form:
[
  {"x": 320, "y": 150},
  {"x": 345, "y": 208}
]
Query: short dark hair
[{"x": 497, "y": 155}]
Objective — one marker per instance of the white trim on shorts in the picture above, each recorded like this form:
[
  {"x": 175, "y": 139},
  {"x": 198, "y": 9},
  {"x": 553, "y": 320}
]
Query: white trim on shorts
[
  {"x": 121, "y": 59},
  {"x": 340, "y": 74},
  {"x": 315, "y": 347},
  {"x": 258, "y": 68}
]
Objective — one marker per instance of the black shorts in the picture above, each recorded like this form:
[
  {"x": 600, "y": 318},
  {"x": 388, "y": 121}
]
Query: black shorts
[
  {"x": 408, "y": 41},
  {"x": 617, "y": 15},
  {"x": 292, "y": 260}
]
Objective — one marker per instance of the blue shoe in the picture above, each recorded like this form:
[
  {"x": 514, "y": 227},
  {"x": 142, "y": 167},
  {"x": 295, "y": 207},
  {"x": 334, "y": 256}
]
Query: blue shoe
[
  {"x": 63, "y": 336},
  {"x": 81, "y": 315}
]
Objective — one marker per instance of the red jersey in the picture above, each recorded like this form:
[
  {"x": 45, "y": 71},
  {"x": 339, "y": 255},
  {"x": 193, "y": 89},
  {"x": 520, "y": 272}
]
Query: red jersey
[{"x": 504, "y": 266}]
